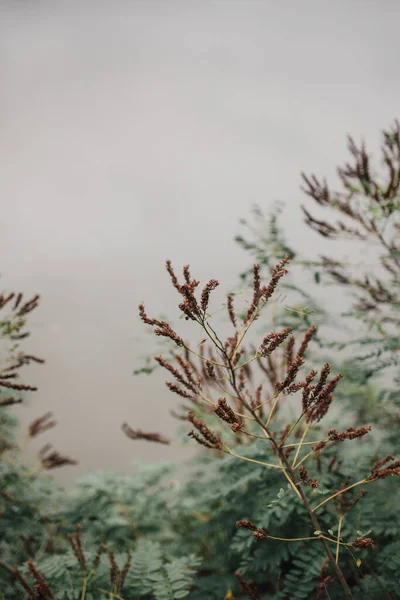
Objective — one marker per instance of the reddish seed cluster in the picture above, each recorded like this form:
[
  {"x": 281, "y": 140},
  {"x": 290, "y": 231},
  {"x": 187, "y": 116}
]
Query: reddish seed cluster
[
  {"x": 265, "y": 292},
  {"x": 41, "y": 589},
  {"x": 295, "y": 365},
  {"x": 273, "y": 340},
  {"x": 289, "y": 351},
  {"x": 162, "y": 327},
  {"x": 258, "y": 533},
  {"x": 190, "y": 306},
  {"x": 314, "y": 483},
  {"x": 100, "y": 550},
  {"x": 317, "y": 399},
  {"x": 379, "y": 471},
  {"x": 324, "y": 579},
  {"x": 225, "y": 412},
  {"x": 209, "y": 438},
  {"x": 76, "y": 544},
  {"x": 189, "y": 382},
  {"x": 248, "y": 587},
  {"x": 350, "y": 434},
  {"x": 25, "y": 308},
  {"x": 138, "y": 434},
  {"x": 362, "y": 543},
  {"x": 17, "y": 386},
  {"x": 231, "y": 311},
  {"x": 41, "y": 424},
  {"x": 53, "y": 459},
  {"x": 319, "y": 446},
  {"x": 210, "y": 370},
  {"x": 309, "y": 334},
  {"x": 205, "y": 294}
]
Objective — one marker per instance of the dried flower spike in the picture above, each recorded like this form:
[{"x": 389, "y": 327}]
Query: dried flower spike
[{"x": 138, "y": 434}]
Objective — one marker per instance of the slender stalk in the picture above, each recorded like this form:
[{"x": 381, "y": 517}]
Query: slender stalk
[
  {"x": 306, "y": 430},
  {"x": 340, "y": 492},
  {"x": 301, "y": 444},
  {"x": 272, "y": 411},
  {"x": 253, "y": 460},
  {"x": 338, "y": 538},
  {"x": 111, "y": 594}
]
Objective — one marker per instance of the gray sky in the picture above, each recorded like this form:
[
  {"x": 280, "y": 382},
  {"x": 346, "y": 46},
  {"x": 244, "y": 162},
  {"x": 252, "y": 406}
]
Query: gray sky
[{"x": 132, "y": 132}]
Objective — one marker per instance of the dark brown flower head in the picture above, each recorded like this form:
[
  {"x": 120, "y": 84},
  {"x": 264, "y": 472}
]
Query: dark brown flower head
[
  {"x": 138, "y": 434},
  {"x": 284, "y": 433},
  {"x": 314, "y": 483},
  {"x": 23, "y": 582},
  {"x": 10, "y": 401},
  {"x": 258, "y": 533},
  {"x": 289, "y": 351},
  {"x": 246, "y": 524},
  {"x": 248, "y": 587},
  {"x": 356, "y": 498},
  {"x": 308, "y": 390},
  {"x": 231, "y": 311},
  {"x": 28, "y": 306},
  {"x": 76, "y": 544},
  {"x": 41, "y": 424},
  {"x": 100, "y": 550},
  {"x": 190, "y": 371},
  {"x": 6, "y": 299},
  {"x": 51, "y": 459},
  {"x": 297, "y": 362},
  {"x": 177, "y": 390},
  {"x": 327, "y": 389},
  {"x": 317, "y": 400},
  {"x": 16, "y": 386},
  {"x": 114, "y": 569},
  {"x": 42, "y": 587},
  {"x": 210, "y": 370},
  {"x": 326, "y": 369},
  {"x": 278, "y": 272},
  {"x": 205, "y": 295},
  {"x": 319, "y": 446},
  {"x": 162, "y": 327},
  {"x": 189, "y": 384},
  {"x": 125, "y": 568},
  {"x": 237, "y": 427},
  {"x": 256, "y": 293},
  {"x": 273, "y": 340},
  {"x": 200, "y": 440},
  {"x": 319, "y": 410},
  {"x": 211, "y": 439},
  {"x": 379, "y": 471},
  {"x": 306, "y": 340},
  {"x": 362, "y": 543},
  {"x": 225, "y": 412},
  {"x": 351, "y": 434},
  {"x": 172, "y": 274},
  {"x": 265, "y": 292}
]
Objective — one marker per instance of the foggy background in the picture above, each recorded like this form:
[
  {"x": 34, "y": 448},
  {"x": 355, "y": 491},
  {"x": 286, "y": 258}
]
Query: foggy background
[{"x": 132, "y": 132}]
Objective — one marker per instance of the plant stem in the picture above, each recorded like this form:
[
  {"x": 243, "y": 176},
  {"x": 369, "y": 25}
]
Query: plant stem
[
  {"x": 258, "y": 462},
  {"x": 306, "y": 430},
  {"x": 339, "y": 492},
  {"x": 290, "y": 473},
  {"x": 338, "y": 538}
]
